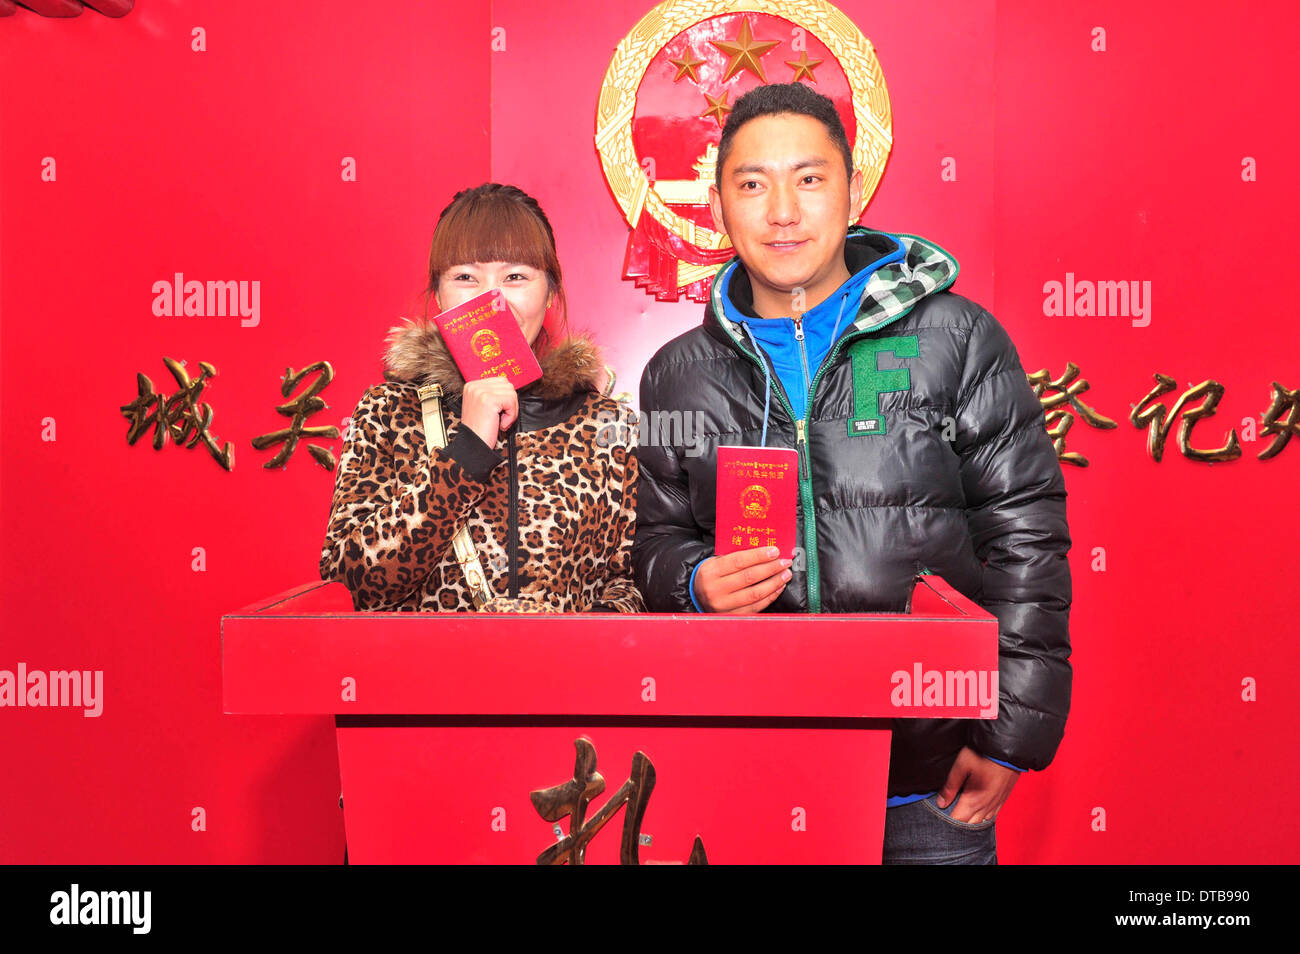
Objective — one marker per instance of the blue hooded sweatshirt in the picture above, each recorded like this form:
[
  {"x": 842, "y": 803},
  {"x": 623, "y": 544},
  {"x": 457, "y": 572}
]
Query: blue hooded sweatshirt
[{"x": 796, "y": 361}]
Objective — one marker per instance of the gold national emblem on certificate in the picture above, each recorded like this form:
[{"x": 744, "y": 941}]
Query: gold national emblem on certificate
[
  {"x": 485, "y": 344},
  {"x": 755, "y": 501}
]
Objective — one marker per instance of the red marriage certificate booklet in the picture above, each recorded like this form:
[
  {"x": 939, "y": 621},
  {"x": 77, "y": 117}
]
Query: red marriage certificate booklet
[
  {"x": 485, "y": 341},
  {"x": 757, "y": 493}
]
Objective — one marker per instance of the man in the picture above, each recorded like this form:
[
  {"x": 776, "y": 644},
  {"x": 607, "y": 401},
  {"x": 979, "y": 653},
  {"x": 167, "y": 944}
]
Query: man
[{"x": 921, "y": 447}]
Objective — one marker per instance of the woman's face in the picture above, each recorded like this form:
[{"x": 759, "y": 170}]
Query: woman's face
[{"x": 524, "y": 288}]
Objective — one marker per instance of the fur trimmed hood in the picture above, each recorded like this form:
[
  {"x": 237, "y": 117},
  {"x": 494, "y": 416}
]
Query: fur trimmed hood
[{"x": 416, "y": 352}]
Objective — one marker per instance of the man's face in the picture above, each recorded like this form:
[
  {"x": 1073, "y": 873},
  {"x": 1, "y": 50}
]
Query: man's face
[{"x": 786, "y": 203}]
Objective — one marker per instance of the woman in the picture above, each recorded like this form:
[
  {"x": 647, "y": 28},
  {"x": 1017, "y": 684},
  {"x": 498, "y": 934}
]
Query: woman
[{"x": 542, "y": 481}]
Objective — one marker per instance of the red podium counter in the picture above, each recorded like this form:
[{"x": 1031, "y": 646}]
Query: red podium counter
[{"x": 519, "y": 738}]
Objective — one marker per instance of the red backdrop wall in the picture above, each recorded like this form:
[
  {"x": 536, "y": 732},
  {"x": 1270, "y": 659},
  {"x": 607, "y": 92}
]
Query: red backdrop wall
[{"x": 130, "y": 155}]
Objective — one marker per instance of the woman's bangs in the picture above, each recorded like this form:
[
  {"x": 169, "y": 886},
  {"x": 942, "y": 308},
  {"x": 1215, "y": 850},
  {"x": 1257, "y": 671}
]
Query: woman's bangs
[{"x": 495, "y": 232}]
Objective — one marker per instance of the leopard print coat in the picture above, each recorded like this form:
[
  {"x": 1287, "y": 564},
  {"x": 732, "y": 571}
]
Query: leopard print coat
[{"x": 396, "y": 507}]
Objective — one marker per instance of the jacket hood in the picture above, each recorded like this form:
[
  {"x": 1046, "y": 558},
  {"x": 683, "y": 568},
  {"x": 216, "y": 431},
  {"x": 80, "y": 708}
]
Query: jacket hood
[
  {"x": 416, "y": 352},
  {"x": 889, "y": 274},
  {"x": 907, "y": 268}
]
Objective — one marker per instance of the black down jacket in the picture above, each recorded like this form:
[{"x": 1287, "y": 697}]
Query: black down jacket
[{"x": 945, "y": 467}]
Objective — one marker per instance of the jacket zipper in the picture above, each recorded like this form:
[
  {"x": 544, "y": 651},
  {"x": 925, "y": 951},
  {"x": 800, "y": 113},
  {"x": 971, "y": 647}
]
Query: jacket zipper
[
  {"x": 512, "y": 537},
  {"x": 803, "y": 354},
  {"x": 811, "y": 577},
  {"x": 805, "y": 487}
]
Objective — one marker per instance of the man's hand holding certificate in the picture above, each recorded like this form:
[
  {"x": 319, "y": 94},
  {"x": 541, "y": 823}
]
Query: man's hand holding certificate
[{"x": 754, "y": 533}]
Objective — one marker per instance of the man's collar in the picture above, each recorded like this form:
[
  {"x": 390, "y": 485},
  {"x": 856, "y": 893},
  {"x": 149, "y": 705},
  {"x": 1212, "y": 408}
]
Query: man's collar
[{"x": 860, "y": 251}]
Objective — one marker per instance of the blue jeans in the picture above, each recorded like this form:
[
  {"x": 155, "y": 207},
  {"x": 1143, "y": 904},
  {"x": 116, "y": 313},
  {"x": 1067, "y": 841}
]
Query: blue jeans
[{"x": 922, "y": 833}]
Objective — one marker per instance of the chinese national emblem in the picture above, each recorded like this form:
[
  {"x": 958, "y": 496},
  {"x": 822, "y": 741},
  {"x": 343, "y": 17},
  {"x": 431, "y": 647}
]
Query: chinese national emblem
[
  {"x": 485, "y": 344},
  {"x": 755, "y": 501},
  {"x": 666, "y": 96}
]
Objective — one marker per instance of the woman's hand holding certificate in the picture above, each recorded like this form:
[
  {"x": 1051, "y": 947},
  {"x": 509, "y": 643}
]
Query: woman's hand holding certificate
[{"x": 490, "y": 405}]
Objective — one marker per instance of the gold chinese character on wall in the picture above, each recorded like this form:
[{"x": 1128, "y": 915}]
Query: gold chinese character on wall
[
  {"x": 183, "y": 416},
  {"x": 1065, "y": 391},
  {"x": 1159, "y": 420},
  {"x": 298, "y": 411}
]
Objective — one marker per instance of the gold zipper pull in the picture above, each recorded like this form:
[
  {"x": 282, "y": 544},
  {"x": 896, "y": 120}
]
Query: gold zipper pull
[{"x": 801, "y": 438}]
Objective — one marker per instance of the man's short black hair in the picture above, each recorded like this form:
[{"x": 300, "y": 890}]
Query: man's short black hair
[{"x": 775, "y": 99}]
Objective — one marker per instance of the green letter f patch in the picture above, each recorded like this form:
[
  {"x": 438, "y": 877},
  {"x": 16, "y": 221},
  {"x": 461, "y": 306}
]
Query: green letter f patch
[{"x": 870, "y": 381}]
